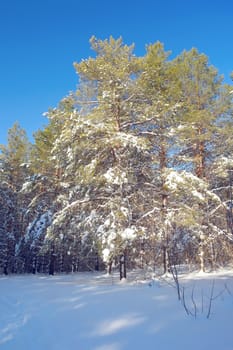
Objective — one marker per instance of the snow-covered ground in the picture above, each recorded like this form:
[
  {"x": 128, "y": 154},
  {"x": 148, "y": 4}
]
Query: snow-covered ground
[{"x": 89, "y": 311}]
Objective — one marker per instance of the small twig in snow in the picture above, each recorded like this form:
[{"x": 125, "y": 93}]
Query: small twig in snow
[
  {"x": 211, "y": 300},
  {"x": 194, "y": 303}
]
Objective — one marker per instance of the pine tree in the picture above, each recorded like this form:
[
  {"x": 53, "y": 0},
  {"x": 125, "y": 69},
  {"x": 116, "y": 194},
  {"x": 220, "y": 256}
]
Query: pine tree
[
  {"x": 105, "y": 151},
  {"x": 14, "y": 157},
  {"x": 8, "y": 229},
  {"x": 133, "y": 169},
  {"x": 204, "y": 104},
  {"x": 14, "y": 160},
  {"x": 39, "y": 195},
  {"x": 161, "y": 96}
]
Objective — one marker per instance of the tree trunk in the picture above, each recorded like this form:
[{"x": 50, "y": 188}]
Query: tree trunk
[
  {"x": 200, "y": 156},
  {"x": 109, "y": 269},
  {"x": 164, "y": 200},
  {"x": 201, "y": 254},
  {"x": 200, "y": 173},
  {"x": 5, "y": 269},
  {"x": 34, "y": 265},
  {"x": 52, "y": 262},
  {"x": 165, "y": 259},
  {"x": 97, "y": 264},
  {"x": 122, "y": 266}
]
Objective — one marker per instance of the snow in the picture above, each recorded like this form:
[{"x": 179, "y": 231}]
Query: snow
[
  {"x": 129, "y": 233},
  {"x": 106, "y": 253},
  {"x": 114, "y": 176},
  {"x": 94, "y": 311},
  {"x": 185, "y": 181},
  {"x": 38, "y": 226},
  {"x": 27, "y": 186},
  {"x": 222, "y": 166},
  {"x": 129, "y": 140},
  {"x": 176, "y": 179}
]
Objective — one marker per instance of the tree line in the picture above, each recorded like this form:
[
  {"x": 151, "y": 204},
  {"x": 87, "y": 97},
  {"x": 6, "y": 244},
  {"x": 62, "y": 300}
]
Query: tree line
[{"x": 133, "y": 169}]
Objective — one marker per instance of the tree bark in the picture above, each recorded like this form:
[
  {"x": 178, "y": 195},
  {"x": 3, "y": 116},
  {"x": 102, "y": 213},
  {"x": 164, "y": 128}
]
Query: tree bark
[
  {"x": 122, "y": 266},
  {"x": 52, "y": 262}
]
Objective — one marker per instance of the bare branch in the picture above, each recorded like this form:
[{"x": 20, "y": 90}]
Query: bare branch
[
  {"x": 184, "y": 302},
  {"x": 211, "y": 300},
  {"x": 194, "y": 303}
]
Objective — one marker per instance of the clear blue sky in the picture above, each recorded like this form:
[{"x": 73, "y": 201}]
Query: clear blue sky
[{"x": 40, "y": 40}]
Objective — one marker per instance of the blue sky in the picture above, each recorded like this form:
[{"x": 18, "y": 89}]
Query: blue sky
[{"x": 40, "y": 40}]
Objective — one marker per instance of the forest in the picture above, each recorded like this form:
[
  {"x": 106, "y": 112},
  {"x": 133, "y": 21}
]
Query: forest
[{"x": 134, "y": 169}]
